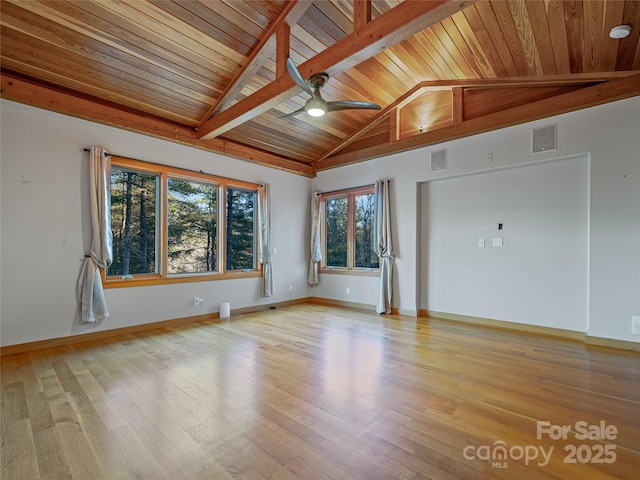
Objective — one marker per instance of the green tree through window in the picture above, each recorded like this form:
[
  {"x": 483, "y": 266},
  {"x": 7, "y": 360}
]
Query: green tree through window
[
  {"x": 336, "y": 237},
  {"x": 133, "y": 222},
  {"x": 240, "y": 229},
  {"x": 364, "y": 232},
  {"x": 192, "y": 227}
]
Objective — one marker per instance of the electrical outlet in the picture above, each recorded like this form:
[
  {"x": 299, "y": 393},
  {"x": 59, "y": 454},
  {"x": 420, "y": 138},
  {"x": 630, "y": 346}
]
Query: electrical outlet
[
  {"x": 635, "y": 324},
  {"x": 290, "y": 288},
  {"x": 197, "y": 301},
  {"x": 348, "y": 290}
]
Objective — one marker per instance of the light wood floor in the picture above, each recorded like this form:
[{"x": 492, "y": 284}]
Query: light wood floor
[{"x": 310, "y": 392}]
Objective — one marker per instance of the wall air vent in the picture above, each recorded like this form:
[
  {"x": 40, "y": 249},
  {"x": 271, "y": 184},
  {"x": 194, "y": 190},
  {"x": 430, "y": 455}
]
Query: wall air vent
[
  {"x": 438, "y": 160},
  {"x": 544, "y": 139}
]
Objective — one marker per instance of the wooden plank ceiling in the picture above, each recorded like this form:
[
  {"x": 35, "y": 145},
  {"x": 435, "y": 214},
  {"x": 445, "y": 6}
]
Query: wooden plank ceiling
[{"x": 212, "y": 73}]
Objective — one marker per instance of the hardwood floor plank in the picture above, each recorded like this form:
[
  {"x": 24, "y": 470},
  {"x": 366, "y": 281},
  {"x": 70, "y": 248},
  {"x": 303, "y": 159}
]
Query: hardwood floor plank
[
  {"x": 39, "y": 413},
  {"x": 313, "y": 392},
  {"x": 14, "y": 404},
  {"x": 47, "y": 452},
  {"x": 18, "y": 451},
  {"x": 75, "y": 446}
]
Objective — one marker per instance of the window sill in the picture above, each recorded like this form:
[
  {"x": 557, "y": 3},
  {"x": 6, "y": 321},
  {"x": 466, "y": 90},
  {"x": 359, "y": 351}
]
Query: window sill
[
  {"x": 359, "y": 272},
  {"x": 146, "y": 280}
]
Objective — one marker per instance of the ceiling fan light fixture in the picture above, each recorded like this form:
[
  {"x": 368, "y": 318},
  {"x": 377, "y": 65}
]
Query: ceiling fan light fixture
[
  {"x": 316, "y": 112},
  {"x": 316, "y": 107},
  {"x": 621, "y": 31}
]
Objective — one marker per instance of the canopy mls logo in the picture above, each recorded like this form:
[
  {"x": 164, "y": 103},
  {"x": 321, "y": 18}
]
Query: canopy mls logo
[{"x": 499, "y": 453}]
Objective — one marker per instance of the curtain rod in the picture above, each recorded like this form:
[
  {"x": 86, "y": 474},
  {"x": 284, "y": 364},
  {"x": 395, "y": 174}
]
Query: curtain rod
[
  {"x": 105, "y": 153},
  {"x": 340, "y": 190},
  {"x": 231, "y": 180}
]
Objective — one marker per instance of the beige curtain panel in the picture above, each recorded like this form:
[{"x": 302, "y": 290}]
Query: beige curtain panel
[
  {"x": 91, "y": 302},
  {"x": 264, "y": 238},
  {"x": 384, "y": 245},
  {"x": 316, "y": 246}
]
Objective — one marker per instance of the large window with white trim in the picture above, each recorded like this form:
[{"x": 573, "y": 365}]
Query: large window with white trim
[{"x": 174, "y": 225}]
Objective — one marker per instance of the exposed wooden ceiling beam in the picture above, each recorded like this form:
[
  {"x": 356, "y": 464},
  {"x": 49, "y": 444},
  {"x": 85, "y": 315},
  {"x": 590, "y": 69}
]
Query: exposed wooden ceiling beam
[
  {"x": 399, "y": 23},
  {"x": 546, "y": 81},
  {"x": 590, "y": 96},
  {"x": 394, "y": 125},
  {"x": 457, "y": 105},
  {"x": 283, "y": 46},
  {"x": 293, "y": 11},
  {"x": 22, "y": 91},
  {"x": 361, "y": 13}
]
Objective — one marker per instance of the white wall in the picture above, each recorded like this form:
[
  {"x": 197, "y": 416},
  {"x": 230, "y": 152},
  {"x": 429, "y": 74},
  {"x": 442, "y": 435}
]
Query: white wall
[
  {"x": 45, "y": 227},
  {"x": 539, "y": 274},
  {"x": 609, "y": 134}
]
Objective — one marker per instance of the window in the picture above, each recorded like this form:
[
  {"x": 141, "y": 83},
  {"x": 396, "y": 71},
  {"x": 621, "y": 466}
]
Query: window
[
  {"x": 348, "y": 230},
  {"x": 336, "y": 226},
  {"x": 134, "y": 214},
  {"x": 241, "y": 246},
  {"x": 192, "y": 221},
  {"x": 172, "y": 225},
  {"x": 365, "y": 255}
]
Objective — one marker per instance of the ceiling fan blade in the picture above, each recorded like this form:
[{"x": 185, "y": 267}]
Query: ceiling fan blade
[
  {"x": 297, "y": 78},
  {"x": 300, "y": 110},
  {"x": 351, "y": 104}
]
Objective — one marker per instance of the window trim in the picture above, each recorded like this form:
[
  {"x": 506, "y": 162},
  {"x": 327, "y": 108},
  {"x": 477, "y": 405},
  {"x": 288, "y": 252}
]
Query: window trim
[
  {"x": 350, "y": 269},
  {"x": 165, "y": 172}
]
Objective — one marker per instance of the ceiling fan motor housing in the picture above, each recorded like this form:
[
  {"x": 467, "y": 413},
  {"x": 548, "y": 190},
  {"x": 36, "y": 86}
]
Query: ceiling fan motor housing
[{"x": 317, "y": 80}]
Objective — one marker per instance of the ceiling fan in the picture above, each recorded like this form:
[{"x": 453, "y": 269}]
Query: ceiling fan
[{"x": 316, "y": 106}]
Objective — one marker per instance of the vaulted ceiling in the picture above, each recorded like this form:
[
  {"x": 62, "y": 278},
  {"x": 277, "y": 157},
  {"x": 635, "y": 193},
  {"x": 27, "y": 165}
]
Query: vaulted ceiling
[{"x": 212, "y": 73}]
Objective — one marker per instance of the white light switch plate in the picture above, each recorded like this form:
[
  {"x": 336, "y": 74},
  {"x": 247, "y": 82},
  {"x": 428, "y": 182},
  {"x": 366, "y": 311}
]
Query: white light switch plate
[
  {"x": 497, "y": 242},
  {"x": 481, "y": 242}
]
